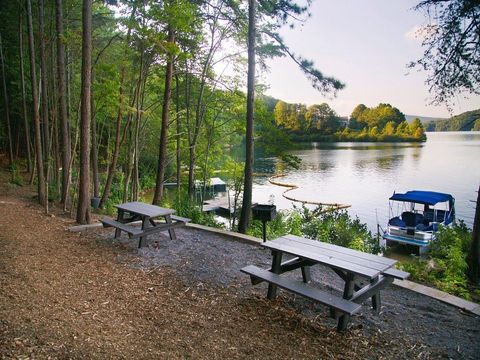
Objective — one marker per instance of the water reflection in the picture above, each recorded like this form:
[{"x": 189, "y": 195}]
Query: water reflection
[{"x": 366, "y": 174}]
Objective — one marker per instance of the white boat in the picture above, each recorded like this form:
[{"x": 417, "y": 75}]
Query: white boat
[{"x": 415, "y": 216}]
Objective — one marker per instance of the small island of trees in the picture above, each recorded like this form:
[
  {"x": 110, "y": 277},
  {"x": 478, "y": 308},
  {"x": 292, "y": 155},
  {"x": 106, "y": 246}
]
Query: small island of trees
[{"x": 321, "y": 123}]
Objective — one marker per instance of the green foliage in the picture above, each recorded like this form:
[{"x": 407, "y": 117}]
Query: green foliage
[
  {"x": 317, "y": 119},
  {"x": 186, "y": 208},
  {"x": 335, "y": 227},
  {"x": 15, "y": 178},
  {"x": 452, "y": 43},
  {"x": 321, "y": 123},
  {"x": 467, "y": 121},
  {"x": 446, "y": 266}
]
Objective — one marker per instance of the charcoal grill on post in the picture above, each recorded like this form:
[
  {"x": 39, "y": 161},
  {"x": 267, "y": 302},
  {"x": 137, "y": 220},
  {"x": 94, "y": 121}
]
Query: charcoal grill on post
[{"x": 264, "y": 213}]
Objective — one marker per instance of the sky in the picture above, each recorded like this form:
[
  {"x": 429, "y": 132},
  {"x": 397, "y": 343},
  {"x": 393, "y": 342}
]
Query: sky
[{"x": 366, "y": 44}]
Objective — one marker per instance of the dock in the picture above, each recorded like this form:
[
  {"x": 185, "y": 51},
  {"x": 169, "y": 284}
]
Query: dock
[{"x": 219, "y": 204}]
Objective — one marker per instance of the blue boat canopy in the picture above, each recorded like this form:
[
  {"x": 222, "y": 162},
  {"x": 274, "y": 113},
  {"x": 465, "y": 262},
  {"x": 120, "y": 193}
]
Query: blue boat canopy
[{"x": 423, "y": 197}]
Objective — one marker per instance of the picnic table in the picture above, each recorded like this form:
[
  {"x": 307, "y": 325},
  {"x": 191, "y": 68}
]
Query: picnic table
[
  {"x": 131, "y": 212},
  {"x": 364, "y": 275}
]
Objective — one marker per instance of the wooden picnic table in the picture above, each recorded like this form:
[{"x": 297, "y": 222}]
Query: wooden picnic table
[
  {"x": 364, "y": 275},
  {"x": 137, "y": 211}
]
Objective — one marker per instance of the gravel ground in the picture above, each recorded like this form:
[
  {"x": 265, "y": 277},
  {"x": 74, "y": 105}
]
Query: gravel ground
[
  {"x": 86, "y": 295},
  {"x": 202, "y": 258}
]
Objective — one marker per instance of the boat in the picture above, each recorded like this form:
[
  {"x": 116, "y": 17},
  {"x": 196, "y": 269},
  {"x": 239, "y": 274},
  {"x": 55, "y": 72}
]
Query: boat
[{"x": 415, "y": 217}]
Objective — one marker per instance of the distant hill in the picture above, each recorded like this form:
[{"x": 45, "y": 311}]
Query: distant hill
[
  {"x": 423, "y": 119},
  {"x": 466, "y": 121}
]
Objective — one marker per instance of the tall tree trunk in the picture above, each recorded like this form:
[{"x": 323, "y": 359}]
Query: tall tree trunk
[
  {"x": 96, "y": 181},
  {"x": 62, "y": 103},
  {"x": 113, "y": 164},
  {"x": 36, "y": 114},
  {"x": 83, "y": 209},
  {"x": 162, "y": 153},
  {"x": 178, "y": 153},
  {"x": 138, "y": 119},
  {"x": 474, "y": 255},
  {"x": 245, "y": 214},
  {"x": 44, "y": 100},
  {"x": 7, "y": 110},
  {"x": 24, "y": 100},
  {"x": 44, "y": 84}
]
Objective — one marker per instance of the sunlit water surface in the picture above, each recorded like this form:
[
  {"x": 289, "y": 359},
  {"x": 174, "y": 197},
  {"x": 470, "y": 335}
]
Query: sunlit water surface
[{"x": 365, "y": 175}]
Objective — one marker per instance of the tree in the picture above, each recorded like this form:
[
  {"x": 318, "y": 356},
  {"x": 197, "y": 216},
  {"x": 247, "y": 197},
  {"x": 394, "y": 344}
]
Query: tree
[
  {"x": 35, "y": 109},
  {"x": 476, "y": 125},
  {"x": 452, "y": 41},
  {"x": 118, "y": 125},
  {"x": 274, "y": 14},
  {"x": 245, "y": 213},
  {"x": 416, "y": 128},
  {"x": 62, "y": 103},
  {"x": 44, "y": 99},
  {"x": 83, "y": 208},
  {"x": 389, "y": 128},
  {"x": 452, "y": 48},
  {"x": 322, "y": 118},
  {"x": 7, "y": 109},
  {"x": 473, "y": 258},
  {"x": 24, "y": 100},
  {"x": 162, "y": 153}
]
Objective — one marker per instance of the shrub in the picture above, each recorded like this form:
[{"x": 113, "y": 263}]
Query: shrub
[
  {"x": 336, "y": 227},
  {"x": 446, "y": 266},
  {"x": 186, "y": 208}
]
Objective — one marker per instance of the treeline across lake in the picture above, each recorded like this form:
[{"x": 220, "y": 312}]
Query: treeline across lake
[
  {"x": 467, "y": 121},
  {"x": 321, "y": 123}
]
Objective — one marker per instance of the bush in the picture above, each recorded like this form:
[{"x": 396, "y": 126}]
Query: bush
[
  {"x": 446, "y": 267},
  {"x": 186, "y": 208},
  {"x": 335, "y": 227}
]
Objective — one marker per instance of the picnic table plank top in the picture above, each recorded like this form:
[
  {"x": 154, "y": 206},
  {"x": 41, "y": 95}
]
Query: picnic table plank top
[
  {"x": 358, "y": 257},
  {"x": 143, "y": 209},
  {"x": 298, "y": 249},
  {"x": 350, "y": 260}
]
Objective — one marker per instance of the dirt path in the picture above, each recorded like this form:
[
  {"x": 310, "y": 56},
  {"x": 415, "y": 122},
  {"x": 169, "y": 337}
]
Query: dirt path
[{"x": 68, "y": 295}]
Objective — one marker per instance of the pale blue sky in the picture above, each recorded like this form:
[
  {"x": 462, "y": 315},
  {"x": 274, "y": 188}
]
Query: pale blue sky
[{"x": 363, "y": 43}]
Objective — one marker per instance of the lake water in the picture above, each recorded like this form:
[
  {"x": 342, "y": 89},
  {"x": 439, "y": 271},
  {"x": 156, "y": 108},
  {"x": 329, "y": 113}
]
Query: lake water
[{"x": 365, "y": 175}]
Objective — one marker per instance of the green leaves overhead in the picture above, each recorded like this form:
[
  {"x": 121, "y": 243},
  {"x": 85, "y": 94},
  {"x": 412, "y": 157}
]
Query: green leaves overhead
[{"x": 452, "y": 45}]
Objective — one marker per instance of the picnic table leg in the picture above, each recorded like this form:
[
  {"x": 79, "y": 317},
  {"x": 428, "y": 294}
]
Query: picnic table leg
[
  {"x": 143, "y": 239},
  {"x": 119, "y": 218},
  {"x": 168, "y": 220},
  {"x": 348, "y": 291},
  {"x": 376, "y": 301},
  {"x": 276, "y": 269},
  {"x": 306, "y": 274}
]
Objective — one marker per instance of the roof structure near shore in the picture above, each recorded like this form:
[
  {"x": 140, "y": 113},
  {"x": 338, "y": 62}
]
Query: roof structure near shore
[{"x": 422, "y": 197}]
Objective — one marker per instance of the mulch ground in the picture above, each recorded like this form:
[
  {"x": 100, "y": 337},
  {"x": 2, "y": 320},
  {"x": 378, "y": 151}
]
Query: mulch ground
[{"x": 88, "y": 296}]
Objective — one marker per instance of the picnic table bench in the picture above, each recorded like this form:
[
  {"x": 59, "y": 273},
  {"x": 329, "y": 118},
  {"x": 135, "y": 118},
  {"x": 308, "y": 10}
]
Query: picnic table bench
[
  {"x": 145, "y": 213},
  {"x": 364, "y": 274}
]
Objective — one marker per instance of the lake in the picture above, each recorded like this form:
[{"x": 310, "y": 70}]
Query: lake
[{"x": 365, "y": 175}]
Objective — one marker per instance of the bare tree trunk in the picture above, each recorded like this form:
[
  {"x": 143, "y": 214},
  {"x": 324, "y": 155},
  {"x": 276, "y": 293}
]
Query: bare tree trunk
[
  {"x": 162, "y": 153},
  {"x": 24, "y": 100},
  {"x": 7, "y": 110},
  {"x": 245, "y": 214},
  {"x": 474, "y": 255},
  {"x": 62, "y": 103},
  {"x": 113, "y": 164},
  {"x": 53, "y": 105},
  {"x": 96, "y": 181},
  {"x": 138, "y": 119},
  {"x": 44, "y": 100},
  {"x": 36, "y": 117},
  {"x": 83, "y": 209},
  {"x": 178, "y": 153}
]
